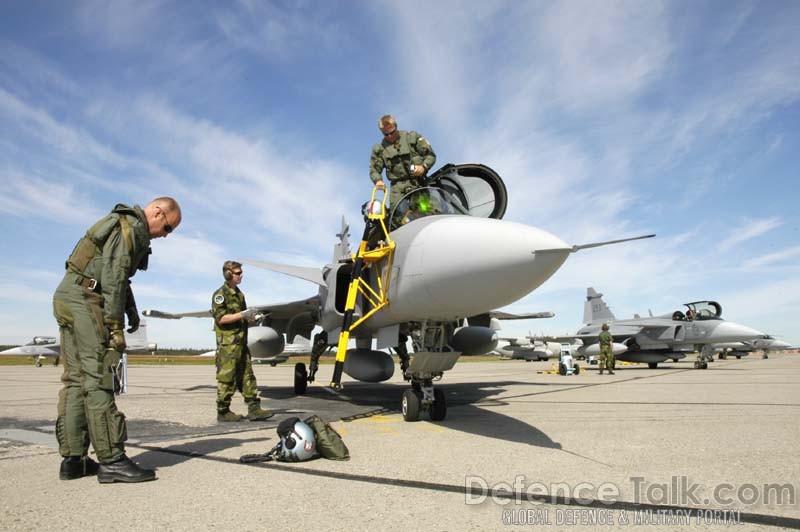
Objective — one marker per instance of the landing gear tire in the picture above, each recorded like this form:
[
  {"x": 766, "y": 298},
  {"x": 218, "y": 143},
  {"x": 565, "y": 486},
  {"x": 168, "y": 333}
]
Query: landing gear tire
[
  {"x": 652, "y": 365},
  {"x": 439, "y": 406},
  {"x": 300, "y": 379},
  {"x": 411, "y": 405},
  {"x": 739, "y": 357},
  {"x": 562, "y": 369},
  {"x": 577, "y": 369}
]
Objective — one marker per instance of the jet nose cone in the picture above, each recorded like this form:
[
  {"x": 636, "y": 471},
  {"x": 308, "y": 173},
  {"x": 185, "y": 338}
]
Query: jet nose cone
[
  {"x": 467, "y": 265},
  {"x": 777, "y": 344},
  {"x": 728, "y": 331}
]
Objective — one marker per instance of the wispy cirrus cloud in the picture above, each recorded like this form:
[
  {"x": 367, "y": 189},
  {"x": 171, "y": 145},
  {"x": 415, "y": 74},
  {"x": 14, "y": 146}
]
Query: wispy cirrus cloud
[{"x": 748, "y": 230}]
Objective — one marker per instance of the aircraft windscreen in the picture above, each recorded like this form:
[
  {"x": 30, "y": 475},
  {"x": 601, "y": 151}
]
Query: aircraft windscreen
[
  {"x": 704, "y": 310},
  {"x": 427, "y": 201}
]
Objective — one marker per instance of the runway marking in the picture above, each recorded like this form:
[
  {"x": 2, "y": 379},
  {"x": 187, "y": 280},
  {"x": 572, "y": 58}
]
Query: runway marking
[{"x": 556, "y": 500}]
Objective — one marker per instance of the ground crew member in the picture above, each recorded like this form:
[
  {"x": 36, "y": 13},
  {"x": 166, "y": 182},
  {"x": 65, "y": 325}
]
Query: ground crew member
[
  {"x": 234, "y": 368},
  {"x": 405, "y": 155},
  {"x": 89, "y": 306},
  {"x": 606, "y": 352}
]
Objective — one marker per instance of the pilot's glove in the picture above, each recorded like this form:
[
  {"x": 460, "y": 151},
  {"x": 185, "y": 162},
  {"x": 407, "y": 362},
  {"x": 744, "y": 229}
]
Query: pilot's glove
[
  {"x": 249, "y": 314},
  {"x": 131, "y": 311},
  {"x": 116, "y": 338},
  {"x": 417, "y": 170},
  {"x": 133, "y": 319}
]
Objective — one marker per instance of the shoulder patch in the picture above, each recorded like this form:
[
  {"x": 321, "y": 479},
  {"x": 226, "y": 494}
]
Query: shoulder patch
[{"x": 219, "y": 299}]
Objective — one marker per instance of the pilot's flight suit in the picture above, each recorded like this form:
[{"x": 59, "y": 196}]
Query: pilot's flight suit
[
  {"x": 397, "y": 158},
  {"x": 92, "y": 299},
  {"x": 606, "y": 353},
  {"x": 234, "y": 368}
]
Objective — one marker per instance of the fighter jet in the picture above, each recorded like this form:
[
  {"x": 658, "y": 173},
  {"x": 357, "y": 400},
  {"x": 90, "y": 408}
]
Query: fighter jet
[
  {"x": 49, "y": 347},
  {"x": 529, "y": 349},
  {"x": 656, "y": 339},
  {"x": 433, "y": 270},
  {"x": 261, "y": 351},
  {"x": 741, "y": 349}
]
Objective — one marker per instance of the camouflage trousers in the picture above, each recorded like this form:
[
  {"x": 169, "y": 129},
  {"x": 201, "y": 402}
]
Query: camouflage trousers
[
  {"x": 234, "y": 372},
  {"x": 400, "y": 189},
  {"x": 87, "y": 411},
  {"x": 606, "y": 358}
]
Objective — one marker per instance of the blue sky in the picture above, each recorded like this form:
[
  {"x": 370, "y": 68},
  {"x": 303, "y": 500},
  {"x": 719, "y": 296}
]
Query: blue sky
[{"x": 605, "y": 119}]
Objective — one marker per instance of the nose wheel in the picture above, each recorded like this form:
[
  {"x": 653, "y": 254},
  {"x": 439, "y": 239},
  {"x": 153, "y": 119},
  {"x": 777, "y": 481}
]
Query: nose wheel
[{"x": 423, "y": 397}]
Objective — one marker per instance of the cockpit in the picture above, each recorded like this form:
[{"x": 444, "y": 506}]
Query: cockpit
[
  {"x": 699, "y": 310},
  {"x": 466, "y": 189}
]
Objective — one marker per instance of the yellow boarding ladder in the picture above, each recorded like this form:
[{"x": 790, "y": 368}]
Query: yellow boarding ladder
[{"x": 362, "y": 261}]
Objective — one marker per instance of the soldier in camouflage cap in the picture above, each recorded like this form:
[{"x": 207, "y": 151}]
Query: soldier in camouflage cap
[
  {"x": 405, "y": 155},
  {"x": 90, "y": 305},
  {"x": 234, "y": 368}
]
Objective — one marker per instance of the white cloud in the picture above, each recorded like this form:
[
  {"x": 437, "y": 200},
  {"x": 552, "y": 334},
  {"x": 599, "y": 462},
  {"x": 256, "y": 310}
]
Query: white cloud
[{"x": 747, "y": 231}]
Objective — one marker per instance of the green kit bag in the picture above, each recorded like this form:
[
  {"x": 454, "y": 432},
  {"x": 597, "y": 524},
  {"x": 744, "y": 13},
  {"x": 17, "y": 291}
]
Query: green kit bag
[{"x": 329, "y": 443}]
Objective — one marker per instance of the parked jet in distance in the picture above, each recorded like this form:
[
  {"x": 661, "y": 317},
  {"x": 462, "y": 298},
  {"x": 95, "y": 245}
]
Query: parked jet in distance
[
  {"x": 260, "y": 351},
  {"x": 529, "y": 349},
  {"x": 49, "y": 347},
  {"x": 448, "y": 261},
  {"x": 741, "y": 349},
  {"x": 656, "y": 339}
]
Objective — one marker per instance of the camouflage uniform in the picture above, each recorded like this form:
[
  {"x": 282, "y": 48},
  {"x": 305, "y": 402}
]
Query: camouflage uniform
[
  {"x": 606, "y": 353},
  {"x": 396, "y": 158},
  {"x": 234, "y": 369},
  {"x": 91, "y": 300}
]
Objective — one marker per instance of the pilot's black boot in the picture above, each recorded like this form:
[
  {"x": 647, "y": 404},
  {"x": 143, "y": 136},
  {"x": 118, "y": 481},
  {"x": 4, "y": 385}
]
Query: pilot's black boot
[
  {"x": 73, "y": 467},
  {"x": 123, "y": 469},
  {"x": 610, "y": 371},
  {"x": 601, "y": 371}
]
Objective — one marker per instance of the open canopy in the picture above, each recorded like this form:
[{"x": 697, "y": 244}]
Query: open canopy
[
  {"x": 467, "y": 189},
  {"x": 703, "y": 310}
]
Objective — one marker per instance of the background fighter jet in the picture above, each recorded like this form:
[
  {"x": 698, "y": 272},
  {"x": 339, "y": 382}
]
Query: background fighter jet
[
  {"x": 741, "y": 349},
  {"x": 453, "y": 262},
  {"x": 259, "y": 349},
  {"x": 529, "y": 349},
  {"x": 658, "y": 338},
  {"x": 49, "y": 347}
]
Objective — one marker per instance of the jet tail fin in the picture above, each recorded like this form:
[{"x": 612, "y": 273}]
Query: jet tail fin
[
  {"x": 595, "y": 309},
  {"x": 136, "y": 342}
]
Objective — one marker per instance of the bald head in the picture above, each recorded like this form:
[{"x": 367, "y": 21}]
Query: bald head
[{"x": 163, "y": 216}]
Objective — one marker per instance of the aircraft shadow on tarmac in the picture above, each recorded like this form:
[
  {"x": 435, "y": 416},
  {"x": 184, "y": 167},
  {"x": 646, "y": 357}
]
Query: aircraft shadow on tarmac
[{"x": 361, "y": 400}]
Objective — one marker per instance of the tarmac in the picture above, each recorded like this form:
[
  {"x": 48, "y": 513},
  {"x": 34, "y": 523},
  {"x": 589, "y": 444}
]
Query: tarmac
[{"x": 672, "y": 448}]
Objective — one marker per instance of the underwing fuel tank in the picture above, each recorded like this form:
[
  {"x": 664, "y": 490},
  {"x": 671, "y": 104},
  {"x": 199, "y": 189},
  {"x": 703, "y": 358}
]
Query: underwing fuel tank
[
  {"x": 265, "y": 342},
  {"x": 368, "y": 365},
  {"x": 474, "y": 340},
  {"x": 594, "y": 349}
]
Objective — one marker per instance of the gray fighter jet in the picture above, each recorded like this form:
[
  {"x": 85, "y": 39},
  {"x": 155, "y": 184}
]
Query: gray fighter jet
[
  {"x": 657, "y": 339},
  {"x": 741, "y": 349},
  {"x": 454, "y": 261},
  {"x": 49, "y": 347}
]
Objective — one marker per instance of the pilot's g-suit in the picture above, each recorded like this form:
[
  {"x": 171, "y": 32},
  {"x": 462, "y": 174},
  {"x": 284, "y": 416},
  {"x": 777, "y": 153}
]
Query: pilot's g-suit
[
  {"x": 397, "y": 158},
  {"x": 91, "y": 301}
]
